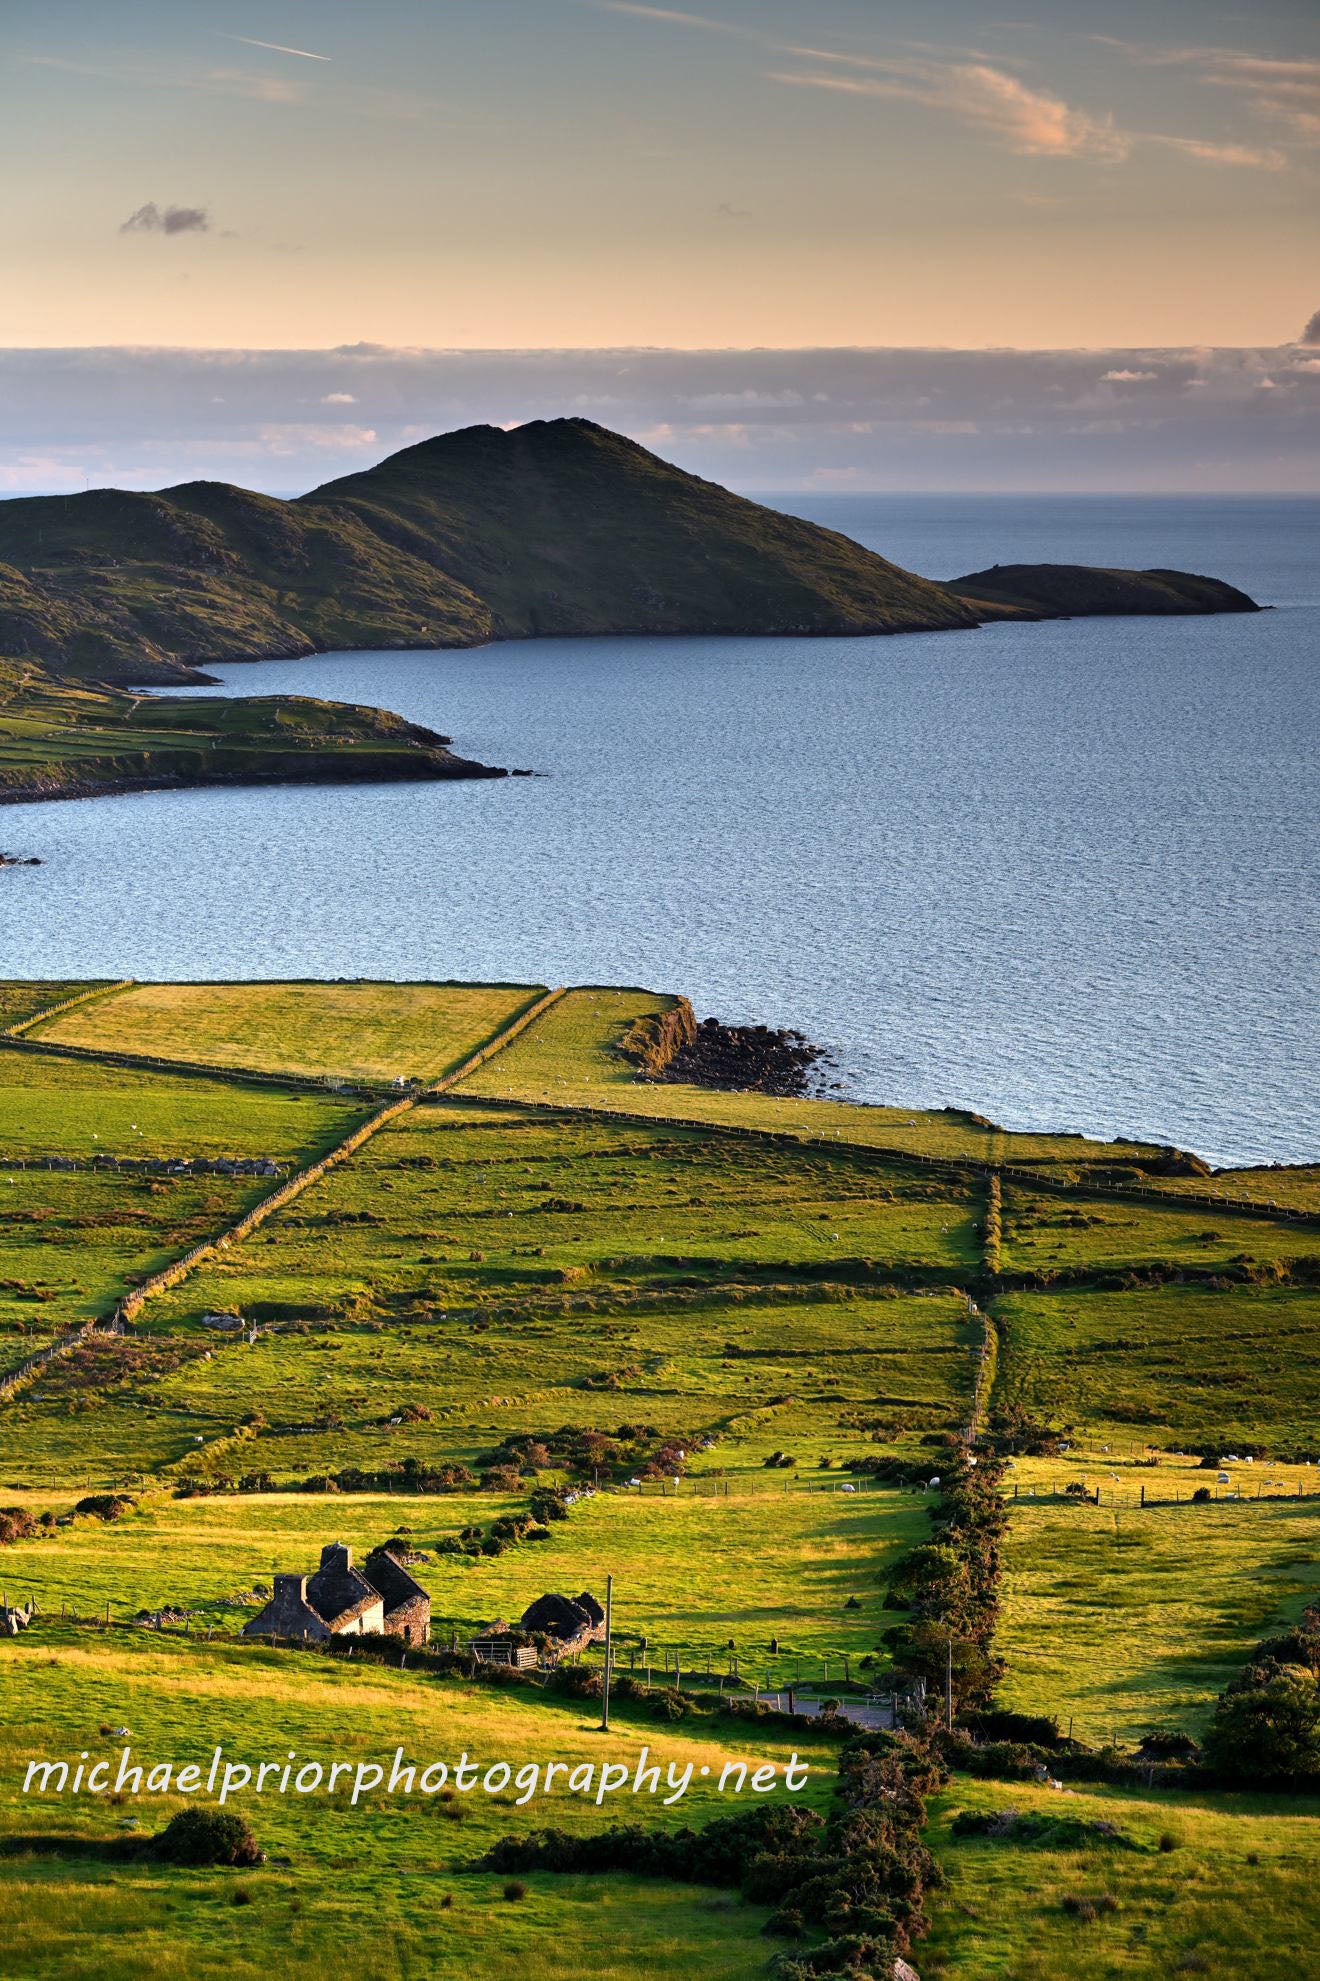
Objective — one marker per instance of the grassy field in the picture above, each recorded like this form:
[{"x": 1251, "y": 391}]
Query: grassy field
[
  {"x": 20, "y": 1001},
  {"x": 343, "y": 1031},
  {"x": 451, "y": 1205},
  {"x": 1126, "y": 1619},
  {"x": 1294, "y": 1187},
  {"x": 1081, "y": 1235},
  {"x": 67, "y": 1107},
  {"x": 71, "y": 1245},
  {"x": 1169, "y": 1365},
  {"x": 1227, "y": 1893},
  {"x": 620, "y": 1258},
  {"x": 74, "y": 1239}
]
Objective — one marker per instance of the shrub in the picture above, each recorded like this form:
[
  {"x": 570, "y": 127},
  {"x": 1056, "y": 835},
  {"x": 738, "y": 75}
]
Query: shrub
[
  {"x": 105, "y": 1506},
  {"x": 1268, "y": 1734},
  {"x": 997, "y": 1723},
  {"x": 514, "y": 1890},
  {"x": 206, "y": 1836}
]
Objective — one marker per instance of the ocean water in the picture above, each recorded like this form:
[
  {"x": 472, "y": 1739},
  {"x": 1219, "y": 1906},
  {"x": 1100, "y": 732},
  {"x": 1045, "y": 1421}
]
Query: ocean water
[{"x": 1064, "y": 874}]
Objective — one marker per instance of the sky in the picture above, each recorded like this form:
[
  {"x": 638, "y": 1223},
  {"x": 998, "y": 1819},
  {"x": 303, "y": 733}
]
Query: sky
[{"x": 868, "y": 210}]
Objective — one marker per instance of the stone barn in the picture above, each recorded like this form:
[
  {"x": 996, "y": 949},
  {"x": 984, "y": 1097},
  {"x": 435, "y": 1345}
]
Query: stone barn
[
  {"x": 571, "y": 1622},
  {"x": 378, "y": 1599}
]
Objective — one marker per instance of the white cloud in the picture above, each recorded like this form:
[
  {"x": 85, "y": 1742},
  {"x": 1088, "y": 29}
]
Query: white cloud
[
  {"x": 339, "y": 398},
  {"x": 1032, "y": 122},
  {"x": 1029, "y": 121}
]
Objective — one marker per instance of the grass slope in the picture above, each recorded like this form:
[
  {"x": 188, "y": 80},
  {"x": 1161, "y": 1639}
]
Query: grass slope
[{"x": 1225, "y": 1894}]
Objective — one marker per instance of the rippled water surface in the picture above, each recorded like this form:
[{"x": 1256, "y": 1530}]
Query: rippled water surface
[{"x": 1063, "y": 874}]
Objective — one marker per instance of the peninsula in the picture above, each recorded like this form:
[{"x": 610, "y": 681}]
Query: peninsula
[{"x": 558, "y": 527}]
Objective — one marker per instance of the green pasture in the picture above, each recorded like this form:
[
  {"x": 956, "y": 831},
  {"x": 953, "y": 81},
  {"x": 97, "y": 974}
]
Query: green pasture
[
  {"x": 1294, "y": 1186},
  {"x": 345, "y": 1031},
  {"x": 1169, "y": 1365},
  {"x": 691, "y": 1572},
  {"x": 816, "y": 1378},
  {"x": 1077, "y": 1234},
  {"x": 1128, "y": 1618},
  {"x": 70, "y": 1107},
  {"x": 71, "y": 1244},
  {"x": 1214, "y": 1886},
  {"x": 451, "y": 1207},
  {"x": 490, "y": 1266},
  {"x": 711, "y": 1366}
]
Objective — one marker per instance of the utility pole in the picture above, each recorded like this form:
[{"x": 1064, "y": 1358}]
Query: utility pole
[{"x": 605, "y": 1686}]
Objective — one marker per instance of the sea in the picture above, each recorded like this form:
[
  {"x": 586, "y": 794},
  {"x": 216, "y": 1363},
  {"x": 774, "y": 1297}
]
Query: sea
[{"x": 1062, "y": 874}]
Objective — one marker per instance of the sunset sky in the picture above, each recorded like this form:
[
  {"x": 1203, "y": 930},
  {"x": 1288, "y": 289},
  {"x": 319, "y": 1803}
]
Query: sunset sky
[{"x": 543, "y": 174}]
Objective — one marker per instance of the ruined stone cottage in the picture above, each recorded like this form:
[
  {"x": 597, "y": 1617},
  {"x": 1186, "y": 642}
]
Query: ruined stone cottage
[
  {"x": 380, "y": 1598},
  {"x": 570, "y": 1622}
]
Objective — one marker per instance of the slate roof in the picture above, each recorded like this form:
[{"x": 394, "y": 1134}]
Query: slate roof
[
  {"x": 338, "y": 1592},
  {"x": 391, "y": 1580}
]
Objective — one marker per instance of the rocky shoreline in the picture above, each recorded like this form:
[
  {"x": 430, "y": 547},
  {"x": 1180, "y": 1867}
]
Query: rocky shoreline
[{"x": 748, "y": 1059}]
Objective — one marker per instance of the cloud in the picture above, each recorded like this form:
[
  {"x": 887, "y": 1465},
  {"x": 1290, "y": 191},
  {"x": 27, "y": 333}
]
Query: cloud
[
  {"x": 1032, "y": 122},
  {"x": 153, "y": 219},
  {"x": 904, "y": 420},
  {"x": 1028, "y": 121},
  {"x": 1210, "y": 153},
  {"x": 1281, "y": 90},
  {"x": 986, "y": 95},
  {"x": 1311, "y": 333},
  {"x": 276, "y": 47},
  {"x": 339, "y": 398},
  {"x": 671, "y": 15}
]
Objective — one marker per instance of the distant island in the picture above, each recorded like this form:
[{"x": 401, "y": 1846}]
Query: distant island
[{"x": 558, "y": 527}]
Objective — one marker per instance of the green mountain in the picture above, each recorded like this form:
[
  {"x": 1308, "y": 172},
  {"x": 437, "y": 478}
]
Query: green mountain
[{"x": 556, "y": 527}]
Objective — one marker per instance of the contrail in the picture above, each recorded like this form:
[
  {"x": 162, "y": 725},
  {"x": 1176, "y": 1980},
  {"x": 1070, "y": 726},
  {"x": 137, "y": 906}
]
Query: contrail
[{"x": 277, "y": 47}]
